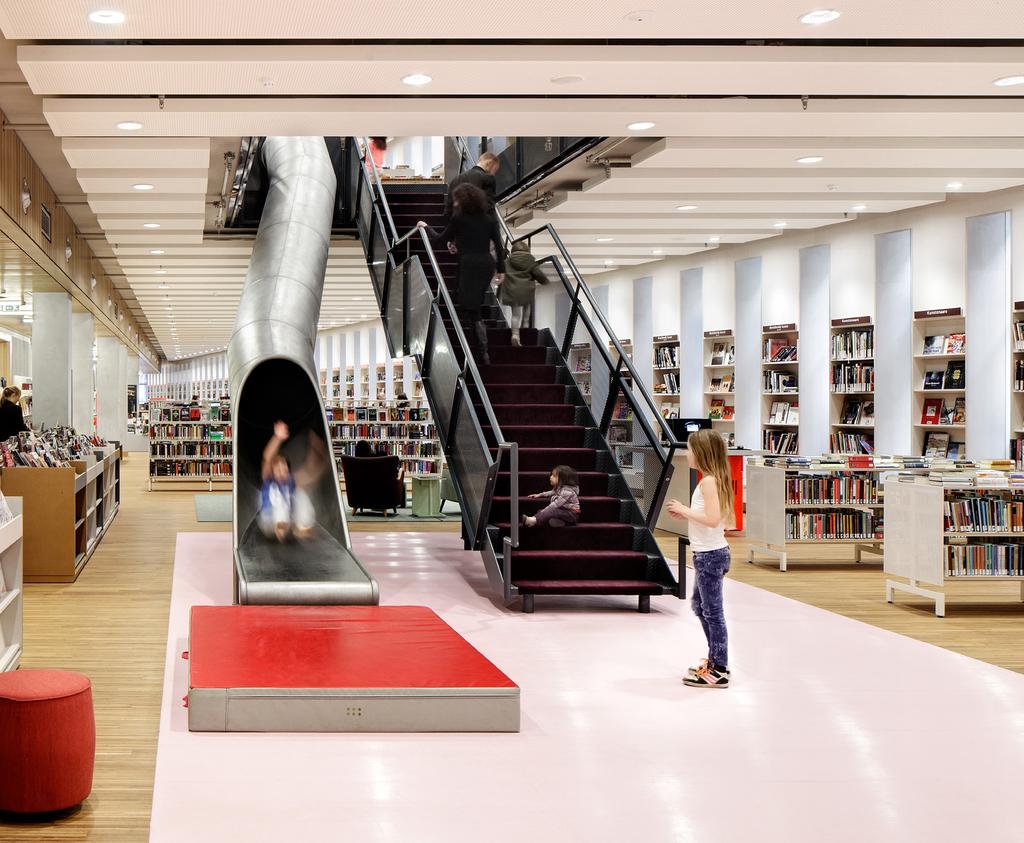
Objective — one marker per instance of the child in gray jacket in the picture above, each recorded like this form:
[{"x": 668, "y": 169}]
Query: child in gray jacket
[{"x": 564, "y": 509}]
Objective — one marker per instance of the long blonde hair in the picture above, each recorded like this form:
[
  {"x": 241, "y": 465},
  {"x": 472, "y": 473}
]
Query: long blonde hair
[
  {"x": 709, "y": 454},
  {"x": 12, "y": 394}
]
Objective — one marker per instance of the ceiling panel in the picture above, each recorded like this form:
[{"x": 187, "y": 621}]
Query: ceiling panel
[{"x": 144, "y": 153}]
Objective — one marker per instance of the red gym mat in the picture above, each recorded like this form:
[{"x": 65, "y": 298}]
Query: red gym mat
[{"x": 240, "y": 655}]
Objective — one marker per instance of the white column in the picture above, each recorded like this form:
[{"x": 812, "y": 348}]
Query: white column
[
  {"x": 748, "y": 352},
  {"x": 111, "y": 388},
  {"x": 691, "y": 343},
  {"x": 51, "y": 359},
  {"x": 83, "y": 335},
  {"x": 815, "y": 347}
]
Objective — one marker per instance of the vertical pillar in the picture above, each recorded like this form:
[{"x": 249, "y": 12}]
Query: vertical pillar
[
  {"x": 894, "y": 312},
  {"x": 83, "y": 335},
  {"x": 51, "y": 359},
  {"x": 748, "y": 352},
  {"x": 691, "y": 343},
  {"x": 815, "y": 349},
  {"x": 111, "y": 388}
]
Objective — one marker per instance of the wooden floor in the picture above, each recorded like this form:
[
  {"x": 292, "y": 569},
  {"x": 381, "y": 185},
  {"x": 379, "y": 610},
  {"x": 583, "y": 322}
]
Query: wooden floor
[{"x": 112, "y": 623}]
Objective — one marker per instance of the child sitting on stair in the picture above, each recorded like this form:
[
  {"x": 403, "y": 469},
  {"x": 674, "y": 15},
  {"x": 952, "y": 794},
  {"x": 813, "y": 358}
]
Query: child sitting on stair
[{"x": 564, "y": 509}]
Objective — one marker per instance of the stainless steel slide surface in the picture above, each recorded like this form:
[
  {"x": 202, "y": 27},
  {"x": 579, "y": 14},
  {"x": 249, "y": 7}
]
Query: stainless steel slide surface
[{"x": 273, "y": 377}]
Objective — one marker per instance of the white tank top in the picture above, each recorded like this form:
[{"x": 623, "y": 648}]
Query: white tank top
[{"x": 703, "y": 539}]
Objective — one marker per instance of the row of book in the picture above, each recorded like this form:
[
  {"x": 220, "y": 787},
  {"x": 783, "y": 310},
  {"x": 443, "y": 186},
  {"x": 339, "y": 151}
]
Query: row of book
[
  {"x": 955, "y": 343},
  {"x": 723, "y": 384},
  {"x": 393, "y": 448},
  {"x": 845, "y": 489},
  {"x": 774, "y": 380},
  {"x": 858, "y": 411},
  {"x": 983, "y": 515},
  {"x": 783, "y": 412},
  {"x": 669, "y": 384},
  {"x": 780, "y": 442},
  {"x": 666, "y": 357},
  {"x": 831, "y": 525},
  {"x": 776, "y": 350},
  {"x": 723, "y": 354},
  {"x": 991, "y": 559},
  {"x": 191, "y": 412},
  {"x": 936, "y": 411},
  {"x": 214, "y": 450},
  {"x": 721, "y": 411},
  {"x": 852, "y": 443},
  {"x": 386, "y": 413},
  {"x": 190, "y": 468},
  {"x": 955, "y": 377},
  {"x": 383, "y": 431},
  {"x": 855, "y": 344},
  {"x": 1018, "y": 336},
  {"x": 852, "y": 377},
  {"x": 185, "y": 430},
  {"x": 939, "y": 444},
  {"x": 54, "y": 448}
]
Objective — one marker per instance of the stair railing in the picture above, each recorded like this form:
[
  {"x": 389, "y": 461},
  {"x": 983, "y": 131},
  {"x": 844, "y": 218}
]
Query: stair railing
[
  {"x": 414, "y": 321},
  {"x": 626, "y": 389}
]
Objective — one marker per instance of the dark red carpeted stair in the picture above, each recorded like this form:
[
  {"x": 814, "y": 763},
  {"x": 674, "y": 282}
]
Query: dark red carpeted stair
[{"x": 536, "y": 404}]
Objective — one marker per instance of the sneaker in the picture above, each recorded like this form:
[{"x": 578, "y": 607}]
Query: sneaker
[
  {"x": 692, "y": 672},
  {"x": 515, "y": 340},
  {"x": 707, "y": 677}
]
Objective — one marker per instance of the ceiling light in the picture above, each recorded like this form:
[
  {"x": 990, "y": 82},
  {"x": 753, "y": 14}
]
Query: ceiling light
[
  {"x": 142, "y": 186},
  {"x": 129, "y": 126},
  {"x": 859, "y": 208},
  {"x": 640, "y": 126},
  {"x": 686, "y": 207},
  {"x": 417, "y": 79},
  {"x": 1008, "y": 81},
  {"x": 954, "y": 185},
  {"x": 156, "y": 251},
  {"x": 151, "y": 225},
  {"x": 810, "y": 159},
  {"x": 160, "y": 272},
  {"x": 107, "y": 16},
  {"x": 819, "y": 16},
  {"x": 605, "y": 239},
  {"x": 714, "y": 239},
  {"x": 640, "y": 15},
  {"x": 163, "y": 287},
  {"x": 780, "y": 225},
  {"x": 657, "y": 251},
  {"x": 568, "y": 79},
  {"x": 609, "y": 263}
]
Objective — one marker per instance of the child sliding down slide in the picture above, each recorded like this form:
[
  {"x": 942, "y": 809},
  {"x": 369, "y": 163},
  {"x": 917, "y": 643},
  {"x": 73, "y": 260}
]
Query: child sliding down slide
[
  {"x": 564, "y": 509},
  {"x": 285, "y": 508}
]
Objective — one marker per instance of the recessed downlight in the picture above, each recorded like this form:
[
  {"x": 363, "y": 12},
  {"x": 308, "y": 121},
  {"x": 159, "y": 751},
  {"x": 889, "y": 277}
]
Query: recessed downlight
[
  {"x": 151, "y": 225},
  {"x": 686, "y": 207},
  {"x": 955, "y": 185},
  {"x": 640, "y": 126},
  {"x": 567, "y": 79},
  {"x": 417, "y": 80},
  {"x": 657, "y": 251},
  {"x": 142, "y": 186},
  {"x": 859, "y": 208},
  {"x": 609, "y": 263},
  {"x": 1008, "y": 81},
  {"x": 156, "y": 251},
  {"x": 810, "y": 159},
  {"x": 160, "y": 272},
  {"x": 110, "y": 17},
  {"x": 780, "y": 224},
  {"x": 605, "y": 239},
  {"x": 129, "y": 125},
  {"x": 819, "y": 16},
  {"x": 163, "y": 287},
  {"x": 714, "y": 239}
]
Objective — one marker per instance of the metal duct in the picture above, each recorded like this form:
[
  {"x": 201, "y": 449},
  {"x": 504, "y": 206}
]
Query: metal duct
[{"x": 273, "y": 377}]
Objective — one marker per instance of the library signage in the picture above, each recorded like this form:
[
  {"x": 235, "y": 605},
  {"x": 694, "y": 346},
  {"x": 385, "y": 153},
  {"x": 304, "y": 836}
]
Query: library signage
[
  {"x": 1018, "y": 305},
  {"x": 724, "y": 332},
  {"x": 667, "y": 338},
  {"x": 939, "y": 311},
  {"x": 852, "y": 320},
  {"x": 784, "y": 326}
]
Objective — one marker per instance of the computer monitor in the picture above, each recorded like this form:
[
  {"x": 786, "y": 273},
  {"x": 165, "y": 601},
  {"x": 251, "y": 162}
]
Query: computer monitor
[{"x": 682, "y": 428}]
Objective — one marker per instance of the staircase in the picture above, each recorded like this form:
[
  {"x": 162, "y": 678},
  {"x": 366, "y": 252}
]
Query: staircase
[{"x": 531, "y": 395}]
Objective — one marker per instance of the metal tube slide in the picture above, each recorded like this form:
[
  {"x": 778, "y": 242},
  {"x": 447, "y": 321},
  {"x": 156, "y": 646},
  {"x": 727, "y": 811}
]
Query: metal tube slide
[{"x": 273, "y": 378}]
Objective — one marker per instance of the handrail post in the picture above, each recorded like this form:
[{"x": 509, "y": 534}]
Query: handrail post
[{"x": 513, "y": 467}]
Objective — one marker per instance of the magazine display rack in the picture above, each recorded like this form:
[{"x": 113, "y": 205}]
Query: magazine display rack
[
  {"x": 940, "y": 383},
  {"x": 720, "y": 382}
]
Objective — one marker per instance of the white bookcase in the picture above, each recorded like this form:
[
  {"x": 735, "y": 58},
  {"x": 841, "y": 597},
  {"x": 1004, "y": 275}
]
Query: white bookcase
[
  {"x": 776, "y": 516},
  {"x": 852, "y": 386},
  {"x": 665, "y": 375},
  {"x": 919, "y": 548},
  {"x": 719, "y": 362},
  {"x": 581, "y": 364},
  {"x": 11, "y": 588},
  {"x": 780, "y": 392},
  {"x": 929, "y": 325},
  {"x": 1017, "y": 384}
]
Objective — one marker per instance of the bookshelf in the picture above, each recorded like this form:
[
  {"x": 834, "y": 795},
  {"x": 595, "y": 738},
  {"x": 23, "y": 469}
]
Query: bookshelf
[
  {"x": 940, "y": 399},
  {"x": 403, "y": 431},
  {"x": 852, "y": 386},
  {"x": 780, "y": 411},
  {"x": 831, "y": 503},
  {"x": 205, "y": 390},
  {"x": 665, "y": 376},
  {"x": 720, "y": 381},
  {"x": 11, "y": 587},
  {"x": 581, "y": 364},
  {"x": 189, "y": 444},
  {"x": 1017, "y": 385},
  {"x": 938, "y": 534}
]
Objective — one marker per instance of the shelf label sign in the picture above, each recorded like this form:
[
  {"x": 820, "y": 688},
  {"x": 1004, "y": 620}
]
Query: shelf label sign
[
  {"x": 939, "y": 311},
  {"x": 724, "y": 332},
  {"x": 852, "y": 320},
  {"x": 783, "y": 326}
]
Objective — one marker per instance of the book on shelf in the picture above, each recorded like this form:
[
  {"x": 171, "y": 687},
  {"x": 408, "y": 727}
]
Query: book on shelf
[
  {"x": 857, "y": 343},
  {"x": 956, "y": 450},
  {"x": 931, "y": 412},
  {"x": 868, "y": 413},
  {"x": 959, "y": 411},
  {"x": 936, "y": 444},
  {"x": 775, "y": 380},
  {"x": 779, "y": 351},
  {"x": 956, "y": 375},
  {"x": 934, "y": 344},
  {"x": 933, "y": 380},
  {"x": 728, "y": 412},
  {"x": 717, "y": 408},
  {"x": 1018, "y": 336},
  {"x": 727, "y": 383},
  {"x": 716, "y": 385},
  {"x": 956, "y": 343},
  {"x": 718, "y": 354},
  {"x": 783, "y": 412},
  {"x": 853, "y": 377}
]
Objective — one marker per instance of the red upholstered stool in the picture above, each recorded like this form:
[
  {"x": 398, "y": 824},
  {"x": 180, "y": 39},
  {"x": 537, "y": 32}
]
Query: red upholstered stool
[{"x": 47, "y": 740}]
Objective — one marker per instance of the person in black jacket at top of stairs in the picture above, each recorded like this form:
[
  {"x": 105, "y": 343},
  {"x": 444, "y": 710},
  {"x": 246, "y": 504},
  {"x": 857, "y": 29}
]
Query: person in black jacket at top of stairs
[
  {"x": 474, "y": 230},
  {"x": 12, "y": 422},
  {"x": 482, "y": 176}
]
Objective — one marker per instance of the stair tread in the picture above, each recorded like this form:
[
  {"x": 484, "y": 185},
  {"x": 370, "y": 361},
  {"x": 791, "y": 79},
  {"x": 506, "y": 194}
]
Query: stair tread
[{"x": 565, "y": 585}]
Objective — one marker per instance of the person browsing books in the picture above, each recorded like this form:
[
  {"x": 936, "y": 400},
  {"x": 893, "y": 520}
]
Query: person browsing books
[{"x": 12, "y": 421}]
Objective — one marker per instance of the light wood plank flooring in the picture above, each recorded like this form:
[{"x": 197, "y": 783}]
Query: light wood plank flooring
[{"x": 111, "y": 625}]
